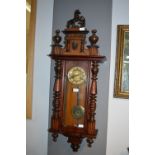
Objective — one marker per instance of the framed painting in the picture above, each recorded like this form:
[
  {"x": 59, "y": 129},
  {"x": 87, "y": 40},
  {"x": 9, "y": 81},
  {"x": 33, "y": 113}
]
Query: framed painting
[
  {"x": 121, "y": 87},
  {"x": 30, "y": 38}
]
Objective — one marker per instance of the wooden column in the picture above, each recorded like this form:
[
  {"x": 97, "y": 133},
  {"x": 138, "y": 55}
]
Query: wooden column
[
  {"x": 56, "y": 118},
  {"x": 92, "y": 104}
]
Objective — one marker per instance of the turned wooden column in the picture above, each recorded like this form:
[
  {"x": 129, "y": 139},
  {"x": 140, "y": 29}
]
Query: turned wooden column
[
  {"x": 55, "y": 119},
  {"x": 92, "y": 103}
]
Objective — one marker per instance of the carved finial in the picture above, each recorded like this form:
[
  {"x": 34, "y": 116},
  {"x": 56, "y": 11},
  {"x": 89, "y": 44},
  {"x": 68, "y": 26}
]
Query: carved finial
[
  {"x": 77, "y": 22},
  {"x": 75, "y": 147},
  {"x": 55, "y": 136},
  {"x": 90, "y": 141},
  {"x": 57, "y": 38},
  {"x": 93, "y": 38}
]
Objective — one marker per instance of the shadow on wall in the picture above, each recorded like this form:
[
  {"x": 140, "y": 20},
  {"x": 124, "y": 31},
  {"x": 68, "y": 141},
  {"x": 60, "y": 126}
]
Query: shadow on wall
[{"x": 124, "y": 152}]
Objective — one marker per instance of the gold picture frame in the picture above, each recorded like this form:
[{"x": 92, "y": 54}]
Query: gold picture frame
[
  {"x": 30, "y": 39},
  {"x": 121, "y": 87}
]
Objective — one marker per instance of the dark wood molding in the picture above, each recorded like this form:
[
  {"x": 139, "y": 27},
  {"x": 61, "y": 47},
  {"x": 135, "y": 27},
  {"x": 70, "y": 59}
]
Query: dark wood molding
[{"x": 79, "y": 57}]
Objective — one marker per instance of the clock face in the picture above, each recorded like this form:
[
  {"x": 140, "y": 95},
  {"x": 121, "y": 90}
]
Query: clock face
[{"x": 77, "y": 75}]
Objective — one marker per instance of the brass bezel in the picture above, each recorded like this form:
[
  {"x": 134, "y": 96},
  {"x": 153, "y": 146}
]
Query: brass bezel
[{"x": 82, "y": 71}]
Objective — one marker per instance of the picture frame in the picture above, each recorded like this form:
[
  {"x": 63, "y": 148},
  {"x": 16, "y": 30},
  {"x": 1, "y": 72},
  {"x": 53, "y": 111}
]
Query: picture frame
[
  {"x": 30, "y": 40},
  {"x": 121, "y": 84}
]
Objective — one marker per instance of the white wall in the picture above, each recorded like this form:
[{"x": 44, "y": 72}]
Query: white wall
[
  {"x": 118, "y": 110},
  {"x": 36, "y": 129}
]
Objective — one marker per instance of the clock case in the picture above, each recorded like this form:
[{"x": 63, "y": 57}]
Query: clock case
[{"x": 75, "y": 53}]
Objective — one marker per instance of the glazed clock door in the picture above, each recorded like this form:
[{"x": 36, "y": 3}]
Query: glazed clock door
[{"x": 75, "y": 93}]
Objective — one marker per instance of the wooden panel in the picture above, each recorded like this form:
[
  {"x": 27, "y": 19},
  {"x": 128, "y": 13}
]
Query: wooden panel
[{"x": 70, "y": 97}]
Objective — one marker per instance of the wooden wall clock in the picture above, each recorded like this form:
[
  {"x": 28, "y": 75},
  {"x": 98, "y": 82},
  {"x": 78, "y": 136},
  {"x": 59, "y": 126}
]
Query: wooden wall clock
[{"x": 75, "y": 87}]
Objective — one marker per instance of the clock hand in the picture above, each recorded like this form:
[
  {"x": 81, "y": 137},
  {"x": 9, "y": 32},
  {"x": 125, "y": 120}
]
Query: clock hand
[{"x": 73, "y": 76}]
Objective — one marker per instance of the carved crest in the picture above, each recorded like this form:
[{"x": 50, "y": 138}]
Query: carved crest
[
  {"x": 74, "y": 45},
  {"x": 77, "y": 22}
]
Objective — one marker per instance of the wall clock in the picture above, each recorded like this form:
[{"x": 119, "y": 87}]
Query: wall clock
[{"x": 75, "y": 87}]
